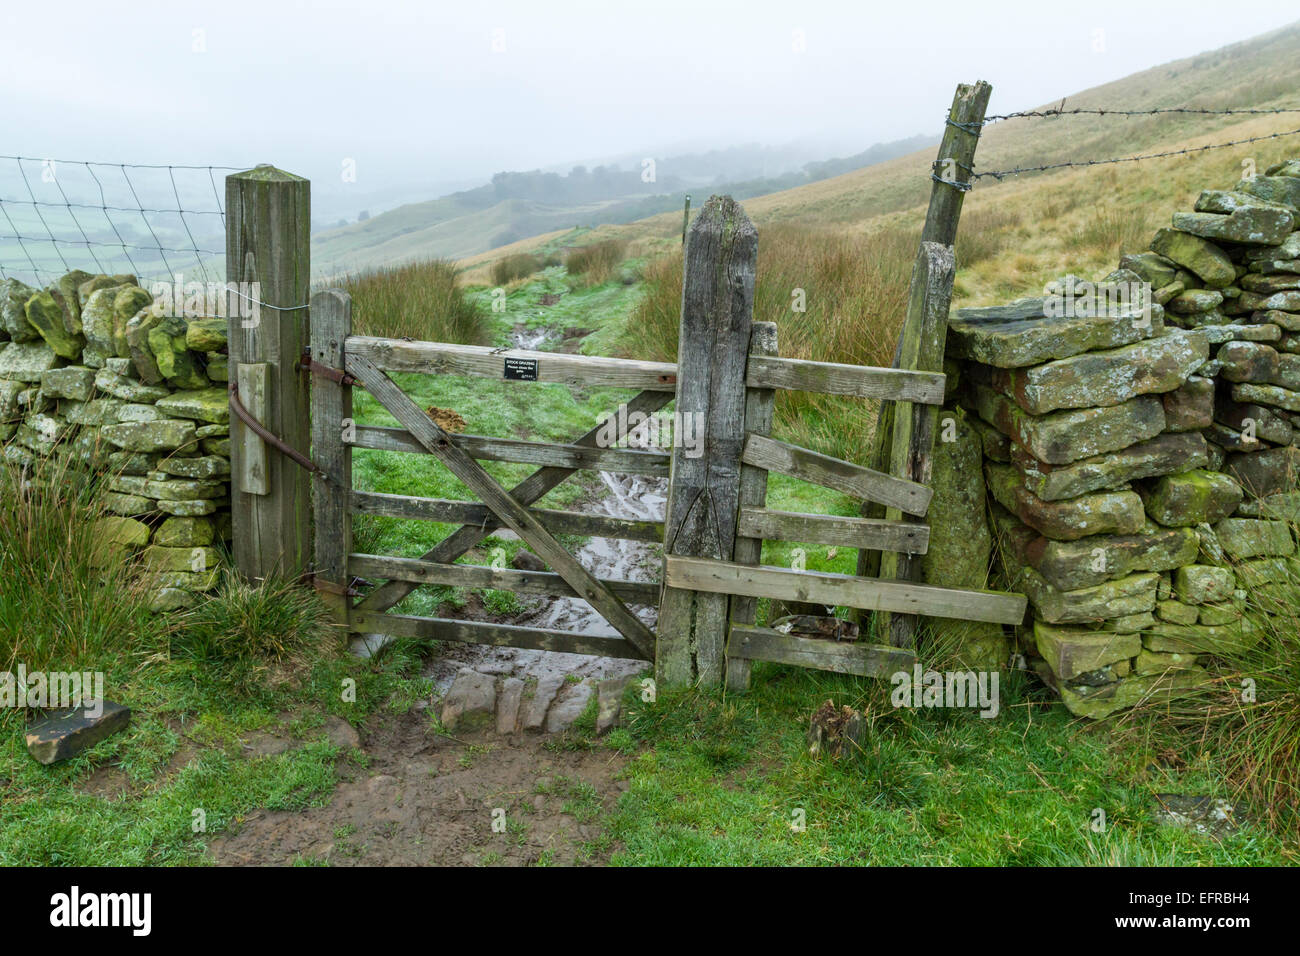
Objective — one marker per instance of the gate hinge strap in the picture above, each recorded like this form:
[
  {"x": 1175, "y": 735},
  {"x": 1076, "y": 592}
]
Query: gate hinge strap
[
  {"x": 245, "y": 416},
  {"x": 336, "y": 375}
]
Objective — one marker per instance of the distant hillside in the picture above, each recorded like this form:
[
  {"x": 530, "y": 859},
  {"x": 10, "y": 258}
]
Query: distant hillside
[
  {"x": 518, "y": 205},
  {"x": 1263, "y": 72}
]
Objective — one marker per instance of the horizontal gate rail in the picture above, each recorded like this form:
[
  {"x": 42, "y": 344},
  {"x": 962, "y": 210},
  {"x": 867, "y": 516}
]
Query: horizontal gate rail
[
  {"x": 832, "y": 378},
  {"x": 449, "y": 511},
  {"x": 500, "y": 635},
  {"x": 441, "y": 358},
  {"x": 835, "y": 530},
  {"x": 909, "y": 497},
  {"x": 865, "y": 660},
  {"x": 630, "y": 461},
  {"x": 531, "y": 489},
  {"x": 724, "y": 577},
  {"x": 505, "y": 579}
]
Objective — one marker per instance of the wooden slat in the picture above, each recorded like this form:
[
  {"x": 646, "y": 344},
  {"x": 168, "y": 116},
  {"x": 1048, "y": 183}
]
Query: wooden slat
[
  {"x": 759, "y": 406},
  {"x": 865, "y": 660},
  {"x": 254, "y": 475},
  {"x": 835, "y": 530},
  {"x": 331, "y": 404},
  {"x": 531, "y": 489},
  {"x": 442, "y": 358},
  {"x": 477, "y": 576},
  {"x": 499, "y": 635},
  {"x": 832, "y": 378},
  {"x": 515, "y": 515},
  {"x": 448, "y": 511},
  {"x": 837, "y": 474},
  {"x": 844, "y": 590},
  {"x": 631, "y": 461}
]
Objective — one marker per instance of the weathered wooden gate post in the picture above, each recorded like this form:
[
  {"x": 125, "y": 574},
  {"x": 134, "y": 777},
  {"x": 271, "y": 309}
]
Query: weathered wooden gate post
[
  {"x": 268, "y": 225},
  {"x": 331, "y": 413},
  {"x": 704, "y": 489}
]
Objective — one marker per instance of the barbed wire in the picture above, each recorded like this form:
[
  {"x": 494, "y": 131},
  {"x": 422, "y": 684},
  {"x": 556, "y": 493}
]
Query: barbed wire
[{"x": 999, "y": 174}]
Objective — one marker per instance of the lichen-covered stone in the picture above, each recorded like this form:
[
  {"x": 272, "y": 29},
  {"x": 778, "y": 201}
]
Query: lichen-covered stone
[
  {"x": 1150, "y": 267},
  {"x": 1243, "y": 538},
  {"x": 178, "y": 532},
  {"x": 98, "y": 319},
  {"x": 1161, "y": 455},
  {"x": 73, "y": 381},
  {"x": 128, "y": 389},
  {"x": 1284, "y": 506},
  {"x": 1087, "y": 562},
  {"x": 206, "y": 335},
  {"x": 1134, "y": 594},
  {"x": 45, "y": 315},
  {"x": 184, "y": 489},
  {"x": 1192, "y": 497},
  {"x": 1255, "y": 423},
  {"x": 1106, "y": 512},
  {"x": 204, "y": 404},
  {"x": 1153, "y": 662},
  {"x": 1248, "y": 362},
  {"x": 1062, "y": 437},
  {"x": 13, "y": 311},
  {"x": 176, "y": 363},
  {"x": 164, "y": 435},
  {"x": 1288, "y": 301},
  {"x": 1258, "y": 224},
  {"x": 1283, "y": 190},
  {"x": 1190, "y": 406},
  {"x": 1108, "y": 377},
  {"x": 1198, "y": 255},
  {"x": 1071, "y": 651},
  {"x": 123, "y": 504},
  {"x": 1249, "y": 392},
  {"x": 218, "y": 367},
  {"x": 1222, "y": 639},
  {"x": 1203, "y": 584},
  {"x": 1176, "y": 612},
  {"x": 189, "y": 509},
  {"x": 129, "y": 302},
  {"x": 1100, "y": 702},
  {"x": 1195, "y": 300},
  {"x": 196, "y": 559},
  {"x": 1217, "y": 615},
  {"x": 137, "y": 331},
  {"x": 1268, "y": 472},
  {"x": 1020, "y": 334}
]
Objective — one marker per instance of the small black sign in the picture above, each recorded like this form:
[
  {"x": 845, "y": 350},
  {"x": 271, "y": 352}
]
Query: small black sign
[{"x": 521, "y": 370}]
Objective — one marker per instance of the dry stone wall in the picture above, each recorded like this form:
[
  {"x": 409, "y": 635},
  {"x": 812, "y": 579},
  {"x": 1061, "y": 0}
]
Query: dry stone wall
[
  {"x": 1140, "y": 439},
  {"x": 92, "y": 374}
]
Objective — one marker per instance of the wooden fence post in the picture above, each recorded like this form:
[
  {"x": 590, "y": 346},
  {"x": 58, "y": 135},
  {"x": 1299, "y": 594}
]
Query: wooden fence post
[
  {"x": 759, "y": 403},
  {"x": 952, "y": 169},
  {"x": 704, "y": 489},
  {"x": 331, "y": 413},
  {"x": 268, "y": 224}
]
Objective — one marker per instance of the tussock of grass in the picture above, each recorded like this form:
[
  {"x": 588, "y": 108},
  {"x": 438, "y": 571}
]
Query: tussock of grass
[
  {"x": 423, "y": 301},
  {"x": 518, "y": 266},
  {"x": 64, "y": 603},
  {"x": 596, "y": 262}
]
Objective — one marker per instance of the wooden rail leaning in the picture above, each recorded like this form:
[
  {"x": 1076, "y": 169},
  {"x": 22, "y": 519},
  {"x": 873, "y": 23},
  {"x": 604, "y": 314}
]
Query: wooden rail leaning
[
  {"x": 865, "y": 660},
  {"x": 724, "y": 577},
  {"x": 834, "y": 530},
  {"x": 909, "y": 497},
  {"x": 832, "y": 378}
]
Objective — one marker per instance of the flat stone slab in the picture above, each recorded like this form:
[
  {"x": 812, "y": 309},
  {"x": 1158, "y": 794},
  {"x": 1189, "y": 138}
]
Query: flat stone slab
[
  {"x": 1108, "y": 377},
  {"x": 1265, "y": 473},
  {"x": 26, "y": 361},
  {"x": 512, "y": 694},
  {"x": 1134, "y": 594},
  {"x": 1203, "y": 584},
  {"x": 68, "y": 731},
  {"x": 1101, "y": 512},
  {"x": 1071, "y": 651},
  {"x": 1197, "y": 255},
  {"x": 1243, "y": 538},
  {"x": 1021, "y": 334},
  {"x": 1190, "y": 406},
  {"x": 470, "y": 701},
  {"x": 1258, "y": 224},
  {"x": 1088, "y": 562},
  {"x": 534, "y": 708},
  {"x": 1065, "y": 436},
  {"x": 1192, "y": 497},
  {"x": 568, "y": 707},
  {"x": 1274, "y": 395}
]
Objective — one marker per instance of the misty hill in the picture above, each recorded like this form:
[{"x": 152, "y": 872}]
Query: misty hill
[{"x": 517, "y": 205}]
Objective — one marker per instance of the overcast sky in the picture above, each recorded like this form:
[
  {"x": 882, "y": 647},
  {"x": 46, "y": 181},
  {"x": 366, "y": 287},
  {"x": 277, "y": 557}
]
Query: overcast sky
[{"x": 441, "y": 92}]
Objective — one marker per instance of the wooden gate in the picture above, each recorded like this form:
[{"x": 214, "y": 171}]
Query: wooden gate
[
  {"x": 716, "y": 520},
  {"x": 341, "y": 361}
]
